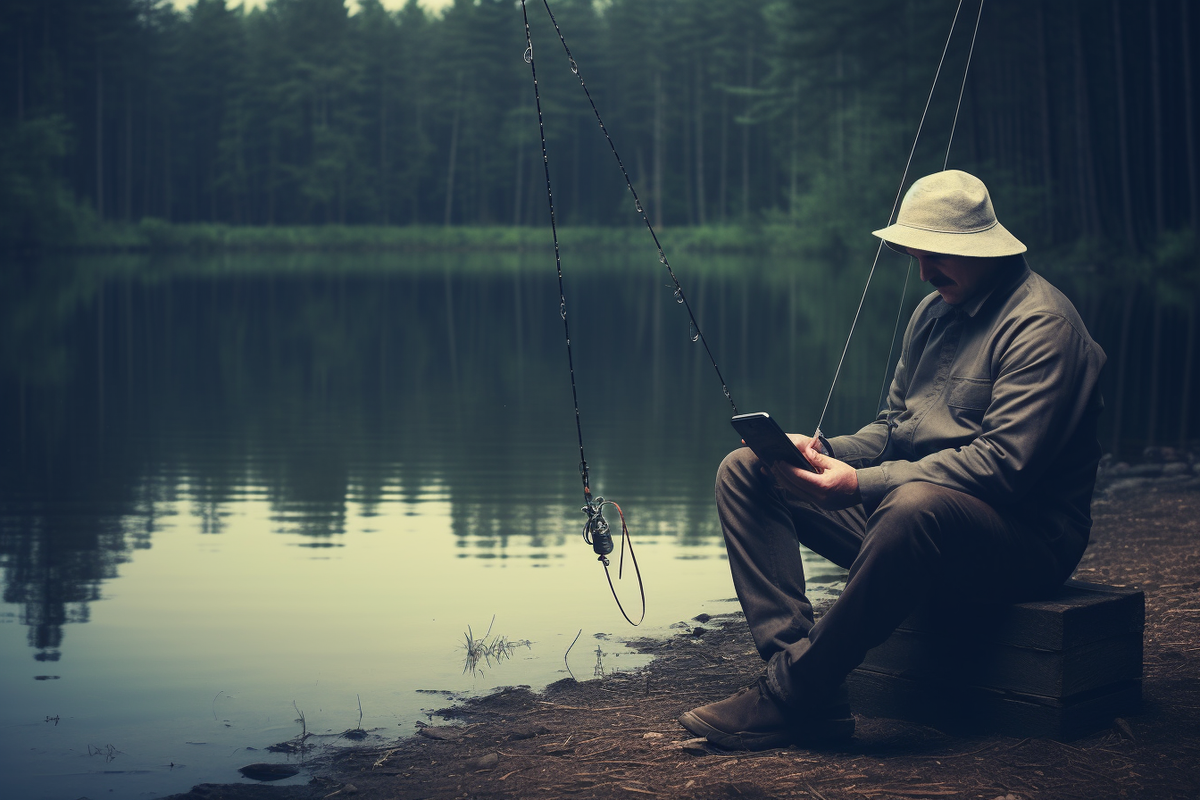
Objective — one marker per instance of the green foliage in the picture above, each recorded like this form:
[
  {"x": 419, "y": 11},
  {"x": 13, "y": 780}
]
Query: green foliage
[
  {"x": 35, "y": 204},
  {"x": 796, "y": 113}
]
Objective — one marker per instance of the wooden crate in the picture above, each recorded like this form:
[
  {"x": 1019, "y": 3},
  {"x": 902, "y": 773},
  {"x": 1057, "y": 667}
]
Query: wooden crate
[{"x": 1060, "y": 667}]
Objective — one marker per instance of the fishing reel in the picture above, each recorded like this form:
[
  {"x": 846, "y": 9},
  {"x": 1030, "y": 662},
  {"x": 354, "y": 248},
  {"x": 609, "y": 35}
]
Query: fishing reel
[{"x": 596, "y": 530}]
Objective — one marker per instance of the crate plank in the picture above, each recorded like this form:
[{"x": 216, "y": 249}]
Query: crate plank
[
  {"x": 965, "y": 709},
  {"x": 999, "y": 666},
  {"x": 1078, "y": 613}
]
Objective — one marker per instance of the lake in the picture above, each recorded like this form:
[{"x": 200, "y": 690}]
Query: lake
[{"x": 248, "y": 496}]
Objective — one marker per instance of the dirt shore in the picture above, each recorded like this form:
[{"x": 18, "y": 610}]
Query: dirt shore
[{"x": 617, "y": 736}]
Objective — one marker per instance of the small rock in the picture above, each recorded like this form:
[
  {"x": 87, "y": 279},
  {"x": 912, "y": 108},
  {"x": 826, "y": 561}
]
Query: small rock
[
  {"x": 701, "y": 618},
  {"x": 652, "y": 735},
  {"x": 696, "y": 747},
  {"x": 697, "y": 631},
  {"x": 268, "y": 772},
  {"x": 443, "y": 733},
  {"x": 486, "y": 761},
  {"x": 528, "y": 733}
]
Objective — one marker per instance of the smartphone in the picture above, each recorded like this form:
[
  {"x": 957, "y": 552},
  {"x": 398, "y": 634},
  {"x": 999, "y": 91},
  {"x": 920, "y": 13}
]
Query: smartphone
[{"x": 768, "y": 441}]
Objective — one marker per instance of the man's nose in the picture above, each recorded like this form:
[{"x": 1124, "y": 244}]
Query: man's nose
[{"x": 927, "y": 271}]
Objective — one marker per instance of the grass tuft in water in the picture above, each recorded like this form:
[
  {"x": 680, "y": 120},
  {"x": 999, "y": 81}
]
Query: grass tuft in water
[{"x": 488, "y": 649}]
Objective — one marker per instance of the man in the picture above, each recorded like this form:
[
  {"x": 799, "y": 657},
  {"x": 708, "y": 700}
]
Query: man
[{"x": 973, "y": 484}]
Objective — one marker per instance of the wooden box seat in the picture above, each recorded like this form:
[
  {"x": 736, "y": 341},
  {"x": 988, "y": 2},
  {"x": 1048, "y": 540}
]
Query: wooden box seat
[{"x": 1060, "y": 667}]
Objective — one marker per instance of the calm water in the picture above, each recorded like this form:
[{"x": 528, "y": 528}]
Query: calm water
[{"x": 233, "y": 489}]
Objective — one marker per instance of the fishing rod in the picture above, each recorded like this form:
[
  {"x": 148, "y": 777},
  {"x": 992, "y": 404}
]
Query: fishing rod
[{"x": 596, "y": 530}]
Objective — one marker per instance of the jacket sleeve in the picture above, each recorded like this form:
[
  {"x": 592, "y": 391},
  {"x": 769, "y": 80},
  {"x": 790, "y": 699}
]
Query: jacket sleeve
[
  {"x": 865, "y": 447},
  {"x": 1045, "y": 373}
]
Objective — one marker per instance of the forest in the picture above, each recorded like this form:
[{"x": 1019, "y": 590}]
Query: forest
[{"x": 1080, "y": 115}]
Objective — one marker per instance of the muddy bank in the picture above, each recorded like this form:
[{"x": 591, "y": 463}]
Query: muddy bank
[{"x": 617, "y": 736}]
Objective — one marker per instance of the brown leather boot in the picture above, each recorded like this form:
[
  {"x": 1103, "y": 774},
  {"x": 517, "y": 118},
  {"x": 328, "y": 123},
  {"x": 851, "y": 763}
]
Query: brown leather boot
[{"x": 752, "y": 719}]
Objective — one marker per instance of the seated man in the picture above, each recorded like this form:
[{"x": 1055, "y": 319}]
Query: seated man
[{"x": 973, "y": 484}]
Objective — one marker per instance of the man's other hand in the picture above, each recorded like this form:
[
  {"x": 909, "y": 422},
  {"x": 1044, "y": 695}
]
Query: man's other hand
[{"x": 834, "y": 485}]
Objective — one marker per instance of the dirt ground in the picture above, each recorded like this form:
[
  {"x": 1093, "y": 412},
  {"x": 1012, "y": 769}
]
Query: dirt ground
[{"x": 617, "y": 736}]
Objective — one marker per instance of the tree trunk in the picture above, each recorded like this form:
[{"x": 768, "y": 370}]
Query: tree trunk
[
  {"x": 520, "y": 179},
  {"x": 1088, "y": 210},
  {"x": 839, "y": 113},
  {"x": 686, "y": 131},
  {"x": 746, "y": 132},
  {"x": 1155, "y": 374},
  {"x": 383, "y": 153},
  {"x": 100, "y": 362},
  {"x": 99, "y": 136},
  {"x": 1189, "y": 356},
  {"x": 1123, "y": 129},
  {"x": 1189, "y": 139},
  {"x": 795, "y": 165},
  {"x": 659, "y": 102},
  {"x": 20, "y": 80},
  {"x": 415, "y": 183},
  {"x": 167, "y": 167},
  {"x": 723, "y": 177},
  {"x": 127, "y": 194},
  {"x": 1047, "y": 122},
  {"x": 147, "y": 176},
  {"x": 1156, "y": 102},
  {"x": 1130, "y": 296},
  {"x": 272, "y": 174},
  {"x": 576, "y": 205},
  {"x": 453, "y": 156},
  {"x": 700, "y": 190}
]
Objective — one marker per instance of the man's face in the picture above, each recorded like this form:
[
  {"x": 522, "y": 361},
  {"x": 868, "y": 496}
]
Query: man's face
[{"x": 956, "y": 278}]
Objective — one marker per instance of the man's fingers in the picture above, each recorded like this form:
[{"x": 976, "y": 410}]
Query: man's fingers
[{"x": 817, "y": 458}]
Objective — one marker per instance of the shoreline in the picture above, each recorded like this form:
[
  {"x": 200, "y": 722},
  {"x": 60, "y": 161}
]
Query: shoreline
[{"x": 617, "y": 737}]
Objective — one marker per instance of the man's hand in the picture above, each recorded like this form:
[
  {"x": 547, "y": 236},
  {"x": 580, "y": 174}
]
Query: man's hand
[{"x": 833, "y": 486}]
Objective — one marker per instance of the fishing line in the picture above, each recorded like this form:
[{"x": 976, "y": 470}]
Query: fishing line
[
  {"x": 596, "y": 530},
  {"x": 694, "y": 330},
  {"x": 891, "y": 216}
]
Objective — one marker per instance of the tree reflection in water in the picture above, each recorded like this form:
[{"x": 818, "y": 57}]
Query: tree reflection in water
[{"x": 130, "y": 383}]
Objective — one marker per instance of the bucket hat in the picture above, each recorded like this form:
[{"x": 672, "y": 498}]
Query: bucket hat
[{"x": 950, "y": 212}]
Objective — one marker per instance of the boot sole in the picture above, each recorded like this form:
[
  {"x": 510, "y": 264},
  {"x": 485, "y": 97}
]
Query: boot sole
[{"x": 814, "y": 733}]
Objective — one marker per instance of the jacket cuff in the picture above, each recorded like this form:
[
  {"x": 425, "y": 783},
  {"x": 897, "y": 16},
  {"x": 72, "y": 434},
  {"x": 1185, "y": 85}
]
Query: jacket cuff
[
  {"x": 873, "y": 486},
  {"x": 846, "y": 448}
]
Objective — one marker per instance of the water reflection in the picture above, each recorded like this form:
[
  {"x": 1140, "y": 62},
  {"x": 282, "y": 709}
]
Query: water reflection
[{"x": 134, "y": 386}]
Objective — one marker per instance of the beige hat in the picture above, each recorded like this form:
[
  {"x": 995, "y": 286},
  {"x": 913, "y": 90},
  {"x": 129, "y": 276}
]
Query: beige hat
[{"x": 950, "y": 212}]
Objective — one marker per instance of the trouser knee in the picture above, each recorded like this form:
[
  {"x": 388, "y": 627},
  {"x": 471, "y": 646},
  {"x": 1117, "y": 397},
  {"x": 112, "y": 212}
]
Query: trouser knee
[
  {"x": 738, "y": 471},
  {"x": 907, "y": 524}
]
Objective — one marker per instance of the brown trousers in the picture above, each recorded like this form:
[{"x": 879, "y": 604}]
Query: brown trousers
[{"x": 923, "y": 542}]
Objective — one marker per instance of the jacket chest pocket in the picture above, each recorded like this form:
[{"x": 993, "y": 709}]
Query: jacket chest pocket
[{"x": 972, "y": 394}]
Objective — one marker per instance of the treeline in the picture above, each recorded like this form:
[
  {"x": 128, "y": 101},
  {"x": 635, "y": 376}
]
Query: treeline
[{"x": 1080, "y": 115}]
